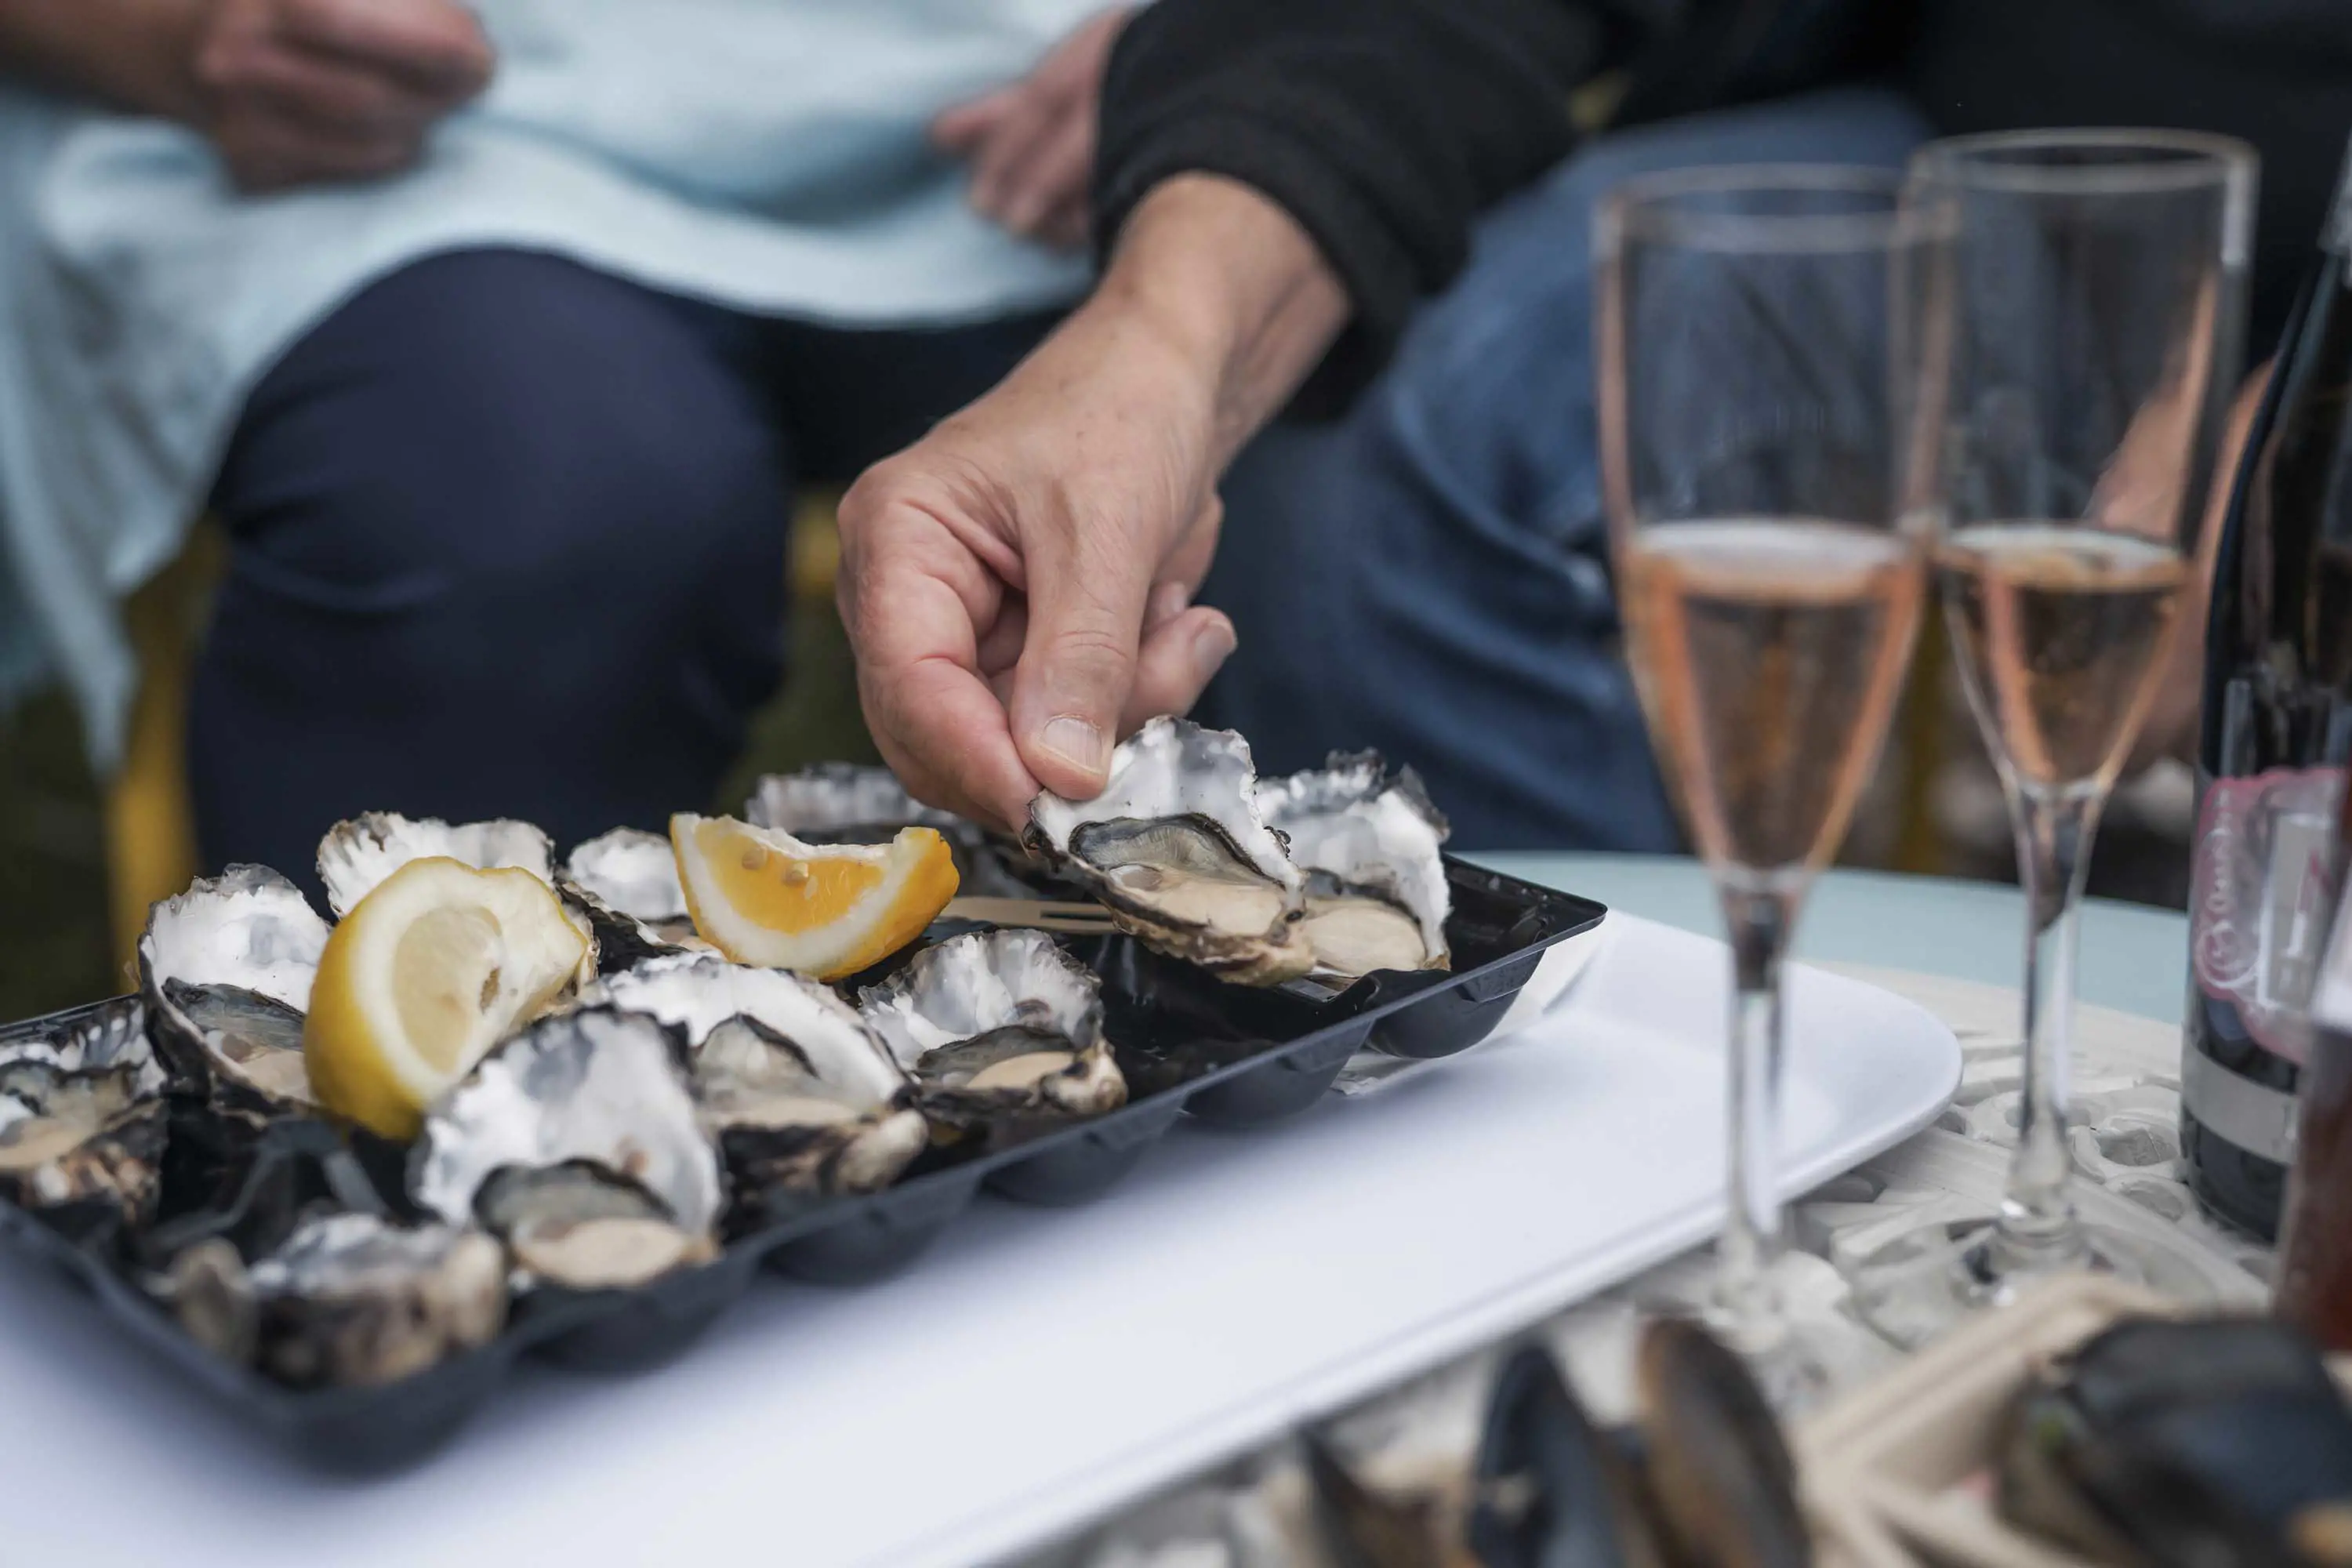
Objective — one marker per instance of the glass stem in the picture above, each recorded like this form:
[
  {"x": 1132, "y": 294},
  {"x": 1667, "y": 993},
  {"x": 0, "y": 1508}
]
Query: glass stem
[
  {"x": 1756, "y": 1317},
  {"x": 2037, "y": 1228}
]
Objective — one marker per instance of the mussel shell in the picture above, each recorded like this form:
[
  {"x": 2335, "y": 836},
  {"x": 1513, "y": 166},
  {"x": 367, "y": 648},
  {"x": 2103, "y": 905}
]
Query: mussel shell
[
  {"x": 586, "y": 1227},
  {"x": 1721, "y": 1481},
  {"x": 225, "y": 970},
  {"x": 2169, "y": 1442},
  {"x": 83, "y": 1122},
  {"x": 1551, "y": 1490},
  {"x": 355, "y": 856},
  {"x": 625, "y": 884},
  {"x": 1371, "y": 845}
]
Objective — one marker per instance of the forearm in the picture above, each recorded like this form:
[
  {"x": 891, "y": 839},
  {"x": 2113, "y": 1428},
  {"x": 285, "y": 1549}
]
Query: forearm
[
  {"x": 1235, "y": 284},
  {"x": 132, "y": 53}
]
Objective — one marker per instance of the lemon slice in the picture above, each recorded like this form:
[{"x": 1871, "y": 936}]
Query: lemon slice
[
  {"x": 437, "y": 964},
  {"x": 762, "y": 897}
]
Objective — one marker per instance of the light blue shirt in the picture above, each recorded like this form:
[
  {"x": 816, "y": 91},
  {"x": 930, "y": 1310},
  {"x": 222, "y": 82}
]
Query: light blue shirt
[{"x": 767, "y": 154}]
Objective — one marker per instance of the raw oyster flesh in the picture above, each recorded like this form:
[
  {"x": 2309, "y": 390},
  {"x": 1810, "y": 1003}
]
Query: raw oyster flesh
[
  {"x": 999, "y": 1023},
  {"x": 82, "y": 1116},
  {"x": 801, "y": 1094},
  {"x": 1369, "y": 843},
  {"x": 627, "y": 882},
  {"x": 355, "y": 855},
  {"x": 226, "y": 969},
  {"x": 578, "y": 1144},
  {"x": 1178, "y": 850},
  {"x": 350, "y": 1300}
]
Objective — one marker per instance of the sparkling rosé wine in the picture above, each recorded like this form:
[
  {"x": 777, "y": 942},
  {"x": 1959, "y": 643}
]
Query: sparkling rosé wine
[
  {"x": 1769, "y": 654},
  {"x": 2060, "y": 631}
]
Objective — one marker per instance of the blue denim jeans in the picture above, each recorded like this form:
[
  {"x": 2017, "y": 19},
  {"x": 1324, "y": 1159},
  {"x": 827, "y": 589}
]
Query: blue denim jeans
[{"x": 1430, "y": 575}]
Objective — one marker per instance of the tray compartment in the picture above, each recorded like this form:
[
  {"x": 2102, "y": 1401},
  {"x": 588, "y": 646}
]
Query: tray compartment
[{"x": 877, "y": 1236}]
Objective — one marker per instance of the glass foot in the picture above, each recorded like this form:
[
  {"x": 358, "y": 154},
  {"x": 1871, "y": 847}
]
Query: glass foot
[{"x": 1914, "y": 1288}]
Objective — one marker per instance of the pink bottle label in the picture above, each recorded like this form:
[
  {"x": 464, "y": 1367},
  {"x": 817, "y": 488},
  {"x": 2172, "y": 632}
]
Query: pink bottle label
[{"x": 2262, "y": 890}]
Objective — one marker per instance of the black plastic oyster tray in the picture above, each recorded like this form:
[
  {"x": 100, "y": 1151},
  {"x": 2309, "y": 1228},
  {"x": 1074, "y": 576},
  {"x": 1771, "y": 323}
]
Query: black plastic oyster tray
[{"x": 1187, "y": 1042}]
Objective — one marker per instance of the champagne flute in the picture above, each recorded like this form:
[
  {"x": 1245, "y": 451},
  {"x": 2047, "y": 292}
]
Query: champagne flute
[
  {"x": 1758, "y": 331},
  {"x": 2097, "y": 305}
]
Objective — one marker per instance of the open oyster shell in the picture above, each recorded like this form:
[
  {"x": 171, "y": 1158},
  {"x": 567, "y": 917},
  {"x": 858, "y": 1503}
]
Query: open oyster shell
[
  {"x": 1178, "y": 850},
  {"x": 356, "y": 855},
  {"x": 1369, "y": 843},
  {"x": 82, "y": 1117},
  {"x": 844, "y": 803},
  {"x": 626, "y": 883},
  {"x": 799, "y": 1092},
  {"x": 225, "y": 970},
  {"x": 348, "y": 1301},
  {"x": 998, "y": 1024},
  {"x": 578, "y": 1144}
]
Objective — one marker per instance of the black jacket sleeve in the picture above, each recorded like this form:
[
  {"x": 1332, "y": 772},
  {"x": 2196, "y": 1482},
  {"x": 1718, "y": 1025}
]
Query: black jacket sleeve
[{"x": 1383, "y": 126}]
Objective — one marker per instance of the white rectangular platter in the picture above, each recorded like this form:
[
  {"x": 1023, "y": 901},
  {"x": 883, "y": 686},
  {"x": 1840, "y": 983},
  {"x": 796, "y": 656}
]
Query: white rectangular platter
[{"x": 1040, "y": 1366}]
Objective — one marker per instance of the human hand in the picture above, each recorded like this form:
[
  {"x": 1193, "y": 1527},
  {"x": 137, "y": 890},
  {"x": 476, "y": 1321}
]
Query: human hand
[
  {"x": 1018, "y": 584},
  {"x": 296, "y": 91},
  {"x": 1032, "y": 144}
]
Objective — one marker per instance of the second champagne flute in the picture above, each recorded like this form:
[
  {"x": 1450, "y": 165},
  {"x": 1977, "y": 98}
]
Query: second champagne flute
[
  {"x": 2098, "y": 288},
  {"x": 1759, "y": 330}
]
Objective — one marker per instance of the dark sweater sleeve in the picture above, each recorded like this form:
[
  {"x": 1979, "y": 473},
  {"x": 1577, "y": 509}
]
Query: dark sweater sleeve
[{"x": 1383, "y": 126}]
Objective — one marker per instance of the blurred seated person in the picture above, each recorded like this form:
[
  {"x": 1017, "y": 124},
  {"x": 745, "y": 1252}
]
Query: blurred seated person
[
  {"x": 1383, "y": 208},
  {"x": 497, "y": 337}
]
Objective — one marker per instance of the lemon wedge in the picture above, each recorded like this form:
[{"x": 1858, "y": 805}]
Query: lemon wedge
[
  {"x": 437, "y": 964},
  {"x": 762, "y": 897}
]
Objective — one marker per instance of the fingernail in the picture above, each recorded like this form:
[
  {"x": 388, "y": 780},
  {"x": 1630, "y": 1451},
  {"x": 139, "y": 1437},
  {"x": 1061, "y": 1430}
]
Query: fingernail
[
  {"x": 1077, "y": 742},
  {"x": 1212, "y": 645},
  {"x": 1169, "y": 600}
]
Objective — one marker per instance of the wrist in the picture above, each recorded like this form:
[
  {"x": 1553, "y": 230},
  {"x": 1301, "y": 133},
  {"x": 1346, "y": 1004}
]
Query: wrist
[{"x": 1232, "y": 285}]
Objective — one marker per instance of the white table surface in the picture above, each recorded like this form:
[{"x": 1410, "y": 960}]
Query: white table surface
[{"x": 2135, "y": 959}]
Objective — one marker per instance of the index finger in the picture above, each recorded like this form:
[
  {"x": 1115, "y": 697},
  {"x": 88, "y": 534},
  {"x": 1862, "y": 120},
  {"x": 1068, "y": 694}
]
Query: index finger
[
  {"x": 919, "y": 679},
  {"x": 430, "y": 42}
]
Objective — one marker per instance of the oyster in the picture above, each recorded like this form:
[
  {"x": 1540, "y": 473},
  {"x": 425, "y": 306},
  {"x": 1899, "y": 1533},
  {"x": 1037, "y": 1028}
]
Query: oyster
[
  {"x": 355, "y": 855},
  {"x": 796, "y": 1086},
  {"x": 350, "y": 1300},
  {"x": 627, "y": 882},
  {"x": 998, "y": 1023},
  {"x": 1368, "y": 841},
  {"x": 831, "y": 797},
  {"x": 578, "y": 1144},
  {"x": 82, "y": 1116},
  {"x": 843, "y": 803},
  {"x": 1178, "y": 850},
  {"x": 226, "y": 969}
]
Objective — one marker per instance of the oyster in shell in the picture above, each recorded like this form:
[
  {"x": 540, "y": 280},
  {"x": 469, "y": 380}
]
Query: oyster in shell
[
  {"x": 627, "y": 882},
  {"x": 843, "y": 803},
  {"x": 1178, "y": 850},
  {"x": 831, "y": 797},
  {"x": 226, "y": 969},
  {"x": 355, "y": 855},
  {"x": 997, "y": 1024},
  {"x": 578, "y": 1144},
  {"x": 1369, "y": 843},
  {"x": 348, "y": 1301},
  {"x": 82, "y": 1116},
  {"x": 799, "y": 1092}
]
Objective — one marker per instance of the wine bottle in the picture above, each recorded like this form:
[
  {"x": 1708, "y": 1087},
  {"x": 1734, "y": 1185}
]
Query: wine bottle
[{"x": 2276, "y": 731}]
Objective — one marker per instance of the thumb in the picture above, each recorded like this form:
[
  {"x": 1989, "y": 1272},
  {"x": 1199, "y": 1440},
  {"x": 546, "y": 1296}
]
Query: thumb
[{"x": 1076, "y": 668}]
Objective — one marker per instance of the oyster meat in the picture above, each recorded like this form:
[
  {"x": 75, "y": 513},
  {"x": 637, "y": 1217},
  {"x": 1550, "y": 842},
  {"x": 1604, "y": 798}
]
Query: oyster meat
[
  {"x": 82, "y": 1116},
  {"x": 627, "y": 882},
  {"x": 999, "y": 1024},
  {"x": 1177, "y": 848},
  {"x": 225, "y": 970},
  {"x": 578, "y": 1144},
  {"x": 799, "y": 1092},
  {"x": 1369, "y": 843},
  {"x": 350, "y": 1300}
]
